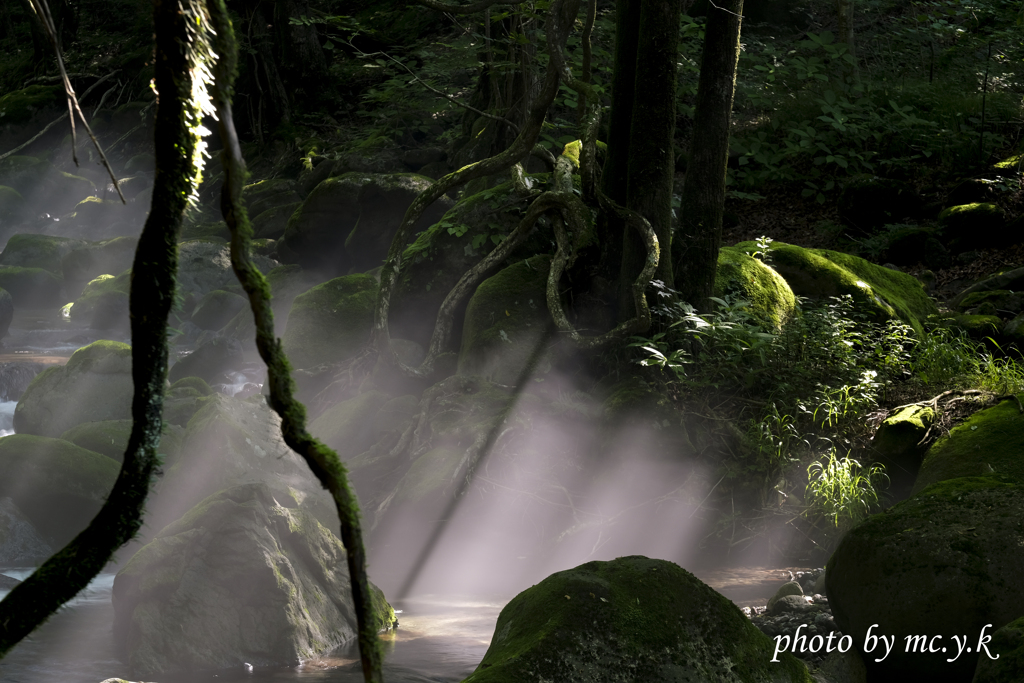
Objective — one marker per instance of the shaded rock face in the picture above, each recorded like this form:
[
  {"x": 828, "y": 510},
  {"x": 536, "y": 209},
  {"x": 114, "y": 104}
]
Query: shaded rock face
[
  {"x": 204, "y": 266},
  {"x": 346, "y": 224},
  {"x": 869, "y": 202},
  {"x": 96, "y": 384},
  {"x": 945, "y": 562},
  {"x": 631, "y": 619},
  {"x": 85, "y": 263},
  {"x": 896, "y": 446},
  {"x": 238, "y": 579},
  {"x": 15, "y": 378},
  {"x": 57, "y": 485},
  {"x": 20, "y": 543}
]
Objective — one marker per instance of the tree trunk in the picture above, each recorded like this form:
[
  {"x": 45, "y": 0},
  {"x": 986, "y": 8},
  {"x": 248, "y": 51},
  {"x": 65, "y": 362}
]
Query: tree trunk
[
  {"x": 844, "y": 10},
  {"x": 699, "y": 236},
  {"x": 651, "y": 157},
  {"x": 40, "y": 44}
]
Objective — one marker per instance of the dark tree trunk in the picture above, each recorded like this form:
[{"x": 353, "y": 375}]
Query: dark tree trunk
[
  {"x": 41, "y": 51},
  {"x": 301, "y": 59},
  {"x": 700, "y": 222},
  {"x": 649, "y": 157},
  {"x": 273, "y": 106}
]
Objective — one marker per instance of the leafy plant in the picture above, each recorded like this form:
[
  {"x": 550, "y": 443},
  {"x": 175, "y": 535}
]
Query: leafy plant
[{"x": 841, "y": 490}]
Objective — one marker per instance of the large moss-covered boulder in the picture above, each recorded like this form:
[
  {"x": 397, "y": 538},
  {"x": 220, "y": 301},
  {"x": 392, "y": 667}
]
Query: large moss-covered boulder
[
  {"x": 975, "y": 226},
  {"x": 990, "y": 441},
  {"x": 331, "y": 321},
  {"x": 239, "y": 579},
  {"x": 442, "y": 254},
  {"x": 945, "y": 562},
  {"x": 19, "y": 106},
  {"x": 264, "y": 195},
  {"x": 38, "y": 251},
  {"x": 1004, "y": 662},
  {"x": 110, "y": 438},
  {"x": 771, "y": 300},
  {"x": 272, "y": 223},
  {"x": 103, "y": 303},
  {"x": 31, "y": 287},
  {"x": 89, "y": 261},
  {"x": 821, "y": 273},
  {"x": 59, "y": 486},
  {"x": 631, "y": 619},
  {"x": 95, "y": 384},
  {"x": 506, "y": 319},
  {"x": 346, "y": 224}
]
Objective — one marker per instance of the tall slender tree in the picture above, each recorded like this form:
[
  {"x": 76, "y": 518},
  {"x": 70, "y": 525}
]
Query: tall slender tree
[{"x": 699, "y": 235}]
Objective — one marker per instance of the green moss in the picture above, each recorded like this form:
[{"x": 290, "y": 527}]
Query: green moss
[
  {"x": 901, "y": 433},
  {"x": 101, "y": 288},
  {"x": 632, "y": 619},
  {"x": 990, "y": 441},
  {"x": 19, "y": 106},
  {"x": 101, "y": 356},
  {"x": 881, "y": 292},
  {"x": 107, "y": 437},
  {"x": 977, "y": 326},
  {"x": 331, "y": 321},
  {"x": 771, "y": 300}
]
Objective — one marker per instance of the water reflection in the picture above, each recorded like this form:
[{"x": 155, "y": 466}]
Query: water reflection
[{"x": 439, "y": 641}]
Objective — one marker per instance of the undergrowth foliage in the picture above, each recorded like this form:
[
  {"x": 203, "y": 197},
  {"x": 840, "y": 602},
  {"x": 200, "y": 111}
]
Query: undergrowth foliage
[{"x": 808, "y": 391}]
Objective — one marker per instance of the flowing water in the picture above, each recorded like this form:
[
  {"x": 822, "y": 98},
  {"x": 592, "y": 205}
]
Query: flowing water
[{"x": 440, "y": 639}]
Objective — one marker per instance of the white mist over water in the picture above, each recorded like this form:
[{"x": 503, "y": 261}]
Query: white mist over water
[{"x": 7, "y": 417}]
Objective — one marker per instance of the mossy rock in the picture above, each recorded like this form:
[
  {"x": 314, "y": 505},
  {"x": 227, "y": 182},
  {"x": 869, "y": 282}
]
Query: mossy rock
[
  {"x": 771, "y": 300},
  {"x": 103, "y": 303},
  {"x": 141, "y": 163},
  {"x": 38, "y": 251},
  {"x": 1005, "y": 661},
  {"x": 331, "y": 321},
  {"x": 945, "y": 562},
  {"x": 205, "y": 265},
  {"x": 976, "y": 326},
  {"x": 59, "y": 486},
  {"x": 349, "y": 427},
  {"x": 895, "y": 445},
  {"x": 217, "y": 308},
  {"x": 83, "y": 264},
  {"x": 272, "y": 223},
  {"x": 268, "y": 194},
  {"x": 506, "y": 319},
  {"x": 6, "y": 311},
  {"x": 1011, "y": 280},
  {"x": 277, "y": 592},
  {"x": 31, "y": 287},
  {"x": 346, "y": 224},
  {"x": 20, "y": 106},
  {"x": 42, "y": 185},
  {"x": 881, "y": 293},
  {"x": 95, "y": 384},
  {"x": 998, "y": 301},
  {"x": 975, "y": 226},
  {"x": 991, "y": 440},
  {"x": 442, "y": 254},
  {"x": 631, "y": 619},
  {"x": 110, "y": 438}
]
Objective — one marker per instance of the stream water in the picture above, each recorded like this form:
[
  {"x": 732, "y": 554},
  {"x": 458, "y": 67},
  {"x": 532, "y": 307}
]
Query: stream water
[{"x": 441, "y": 638}]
